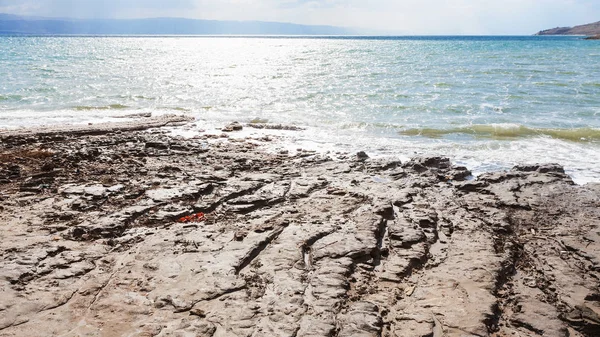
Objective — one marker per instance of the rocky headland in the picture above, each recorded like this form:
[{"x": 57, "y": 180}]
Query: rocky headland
[
  {"x": 591, "y": 29},
  {"x": 113, "y": 231}
]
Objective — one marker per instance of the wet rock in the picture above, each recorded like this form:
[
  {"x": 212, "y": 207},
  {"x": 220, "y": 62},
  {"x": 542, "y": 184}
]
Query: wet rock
[
  {"x": 458, "y": 173},
  {"x": 235, "y": 126},
  {"x": 362, "y": 156},
  {"x": 472, "y": 186},
  {"x": 547, "y": 168},
  {"x": 422, "y": 165}
]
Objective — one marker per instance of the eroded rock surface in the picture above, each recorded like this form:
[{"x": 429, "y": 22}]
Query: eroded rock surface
[{"x": 303, "y": 245}]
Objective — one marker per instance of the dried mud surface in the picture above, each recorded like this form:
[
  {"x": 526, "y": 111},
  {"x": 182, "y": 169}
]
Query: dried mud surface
[{"x": 292, "y": 245}]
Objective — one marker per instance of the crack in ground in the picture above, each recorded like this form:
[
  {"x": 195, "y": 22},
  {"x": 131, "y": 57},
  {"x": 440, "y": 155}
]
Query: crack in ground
[
  {"x": 14, "y": 325},
  {"x": 382, "y": 232},
  {"x": 210, "y": 298},
  {"x": 61, "y": 303},
  {"x": 307, "y": 245},
  {"x": 213, "y": 206},
  {"x": 97, "y": 295},
  {"x": 251, "y": 255}
]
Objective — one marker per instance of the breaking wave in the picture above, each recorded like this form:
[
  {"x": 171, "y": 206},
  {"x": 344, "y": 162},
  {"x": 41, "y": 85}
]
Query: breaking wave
[{"x": 509, "y": 131}]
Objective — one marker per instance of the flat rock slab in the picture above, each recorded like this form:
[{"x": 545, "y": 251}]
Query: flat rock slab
[{"x": 302, "y": 245}]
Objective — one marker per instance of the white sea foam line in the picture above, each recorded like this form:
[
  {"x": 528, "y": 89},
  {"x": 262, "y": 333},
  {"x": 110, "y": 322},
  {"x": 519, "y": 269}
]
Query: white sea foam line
[
  {"x": 28, "y": 118},
  {"x": 578, "y": 159}
]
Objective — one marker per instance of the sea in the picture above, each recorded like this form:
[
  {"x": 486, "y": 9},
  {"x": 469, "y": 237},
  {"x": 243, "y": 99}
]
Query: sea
[{"x": 486, "y": 102}]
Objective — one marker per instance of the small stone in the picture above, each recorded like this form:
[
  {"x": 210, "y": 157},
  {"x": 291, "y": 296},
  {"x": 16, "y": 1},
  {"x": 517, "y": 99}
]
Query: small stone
[
  {"x": 235, "y": 126},
  {"x": 198, "y": 312},
  {"x": 240, "y": 235},
  {"x": 362, "y": 155}
]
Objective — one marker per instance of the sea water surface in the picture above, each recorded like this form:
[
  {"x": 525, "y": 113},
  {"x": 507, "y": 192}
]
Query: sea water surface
[{"x": 485, "y": 102}]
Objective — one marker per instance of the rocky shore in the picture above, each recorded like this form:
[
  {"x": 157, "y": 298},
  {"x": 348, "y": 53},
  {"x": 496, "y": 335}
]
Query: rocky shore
[
  {"x": 587, "y": 29},
  {"x": 113, "y": 231}
]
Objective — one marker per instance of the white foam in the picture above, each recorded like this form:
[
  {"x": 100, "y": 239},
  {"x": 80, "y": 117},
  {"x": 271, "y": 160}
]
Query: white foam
[
  {"x": 14, "y": 119},
  {"x": 579, "y": 159}
]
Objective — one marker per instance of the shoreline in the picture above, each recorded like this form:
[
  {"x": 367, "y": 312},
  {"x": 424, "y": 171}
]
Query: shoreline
[
  {"x": 144, "y": 122},
  {"x": 431, "y": 102},
  {"x": 95, "y": 240}
]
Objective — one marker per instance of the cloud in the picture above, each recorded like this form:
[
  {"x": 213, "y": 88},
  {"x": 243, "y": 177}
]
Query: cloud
[
  {"x": 97, "y": 8},
  {"x": 414, "y": 16},
  {"x": 389, "y": 16}
]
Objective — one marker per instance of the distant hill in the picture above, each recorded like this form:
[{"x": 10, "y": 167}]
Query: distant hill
[
  {"x": 589, "y": 29},
  {"x": 25, "y": 25}
]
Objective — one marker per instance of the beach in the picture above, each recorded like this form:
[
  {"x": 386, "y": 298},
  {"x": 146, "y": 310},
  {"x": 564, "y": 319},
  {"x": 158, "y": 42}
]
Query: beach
[
  {"x": 131, "y": 229},
  {"x": 487, "y": 102}
]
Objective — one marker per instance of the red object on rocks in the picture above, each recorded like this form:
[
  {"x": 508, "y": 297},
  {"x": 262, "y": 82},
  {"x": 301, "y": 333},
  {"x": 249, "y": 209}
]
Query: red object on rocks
[{"x": 198, "y": 217}]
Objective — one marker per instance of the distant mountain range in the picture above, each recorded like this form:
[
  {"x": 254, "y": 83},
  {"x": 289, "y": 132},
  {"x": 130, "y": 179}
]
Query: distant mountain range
[
  {"x": 589, "y": 29},
  {"x": 27, "y": 25}
]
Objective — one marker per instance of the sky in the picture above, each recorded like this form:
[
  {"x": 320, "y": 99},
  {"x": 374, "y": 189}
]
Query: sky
[{"x": 421, "y": 17}]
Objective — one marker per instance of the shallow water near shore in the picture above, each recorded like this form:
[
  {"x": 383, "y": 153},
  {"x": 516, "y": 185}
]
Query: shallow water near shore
[{"x": 485, "y": 102}]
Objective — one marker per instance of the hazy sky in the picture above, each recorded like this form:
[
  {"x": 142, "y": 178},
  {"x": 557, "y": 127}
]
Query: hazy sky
[{"x": 385, "y": 16}]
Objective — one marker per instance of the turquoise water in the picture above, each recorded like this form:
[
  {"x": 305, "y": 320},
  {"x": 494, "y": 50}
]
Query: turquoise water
[{"x": 487, "y": 102}]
